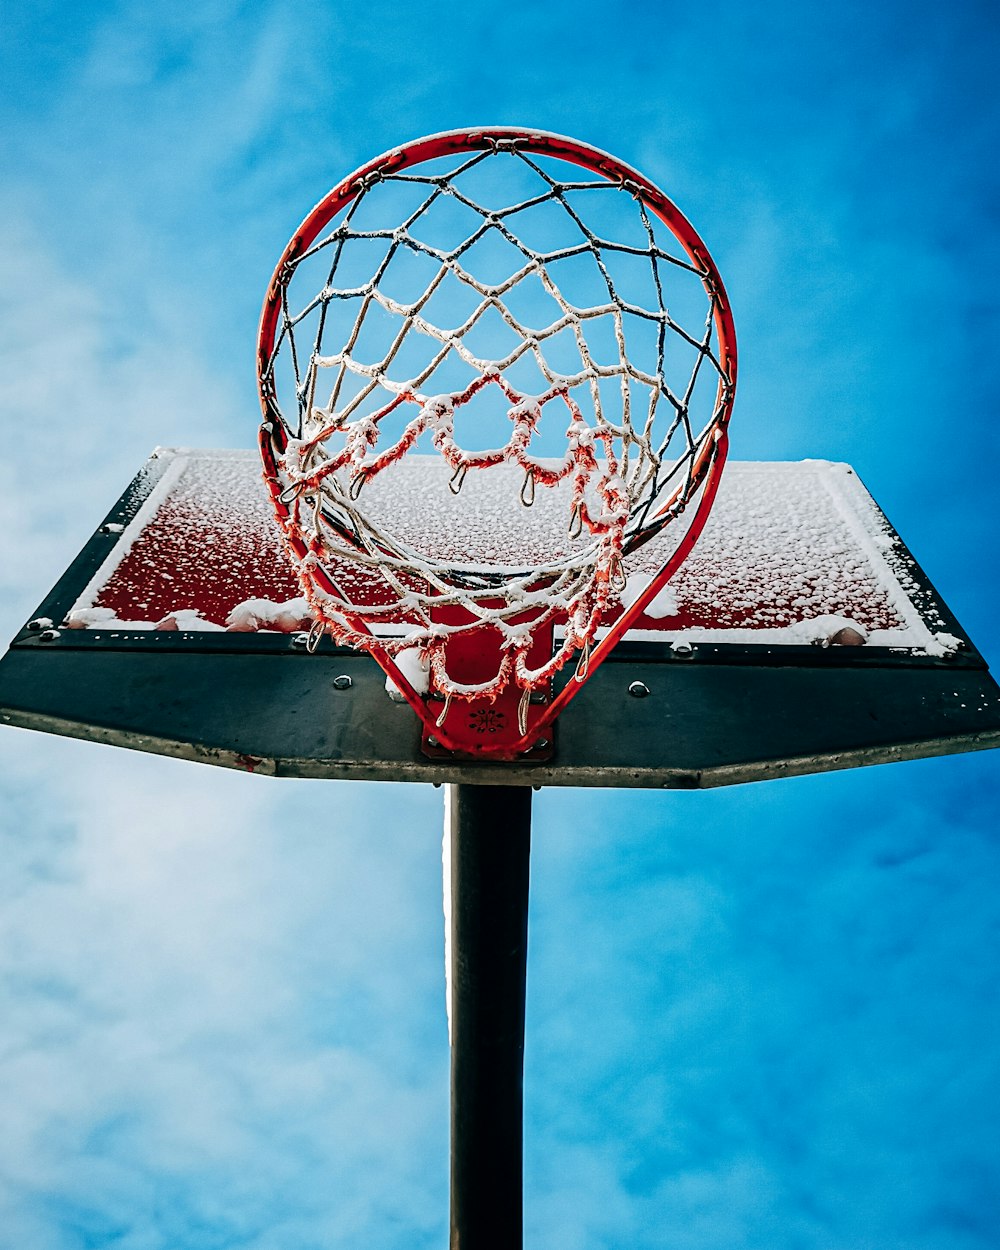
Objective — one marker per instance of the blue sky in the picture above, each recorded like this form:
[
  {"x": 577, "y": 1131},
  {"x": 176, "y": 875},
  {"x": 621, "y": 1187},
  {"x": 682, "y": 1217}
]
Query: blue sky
[{"x": 763, "y": 1017}]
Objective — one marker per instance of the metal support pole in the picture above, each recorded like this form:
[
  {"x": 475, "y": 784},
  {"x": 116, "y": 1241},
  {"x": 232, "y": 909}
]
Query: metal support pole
[{"x": 488, "y": 829}]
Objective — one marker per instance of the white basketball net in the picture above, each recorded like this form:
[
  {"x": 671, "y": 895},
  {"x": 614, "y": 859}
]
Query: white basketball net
[{"x": 434, "y": 302}]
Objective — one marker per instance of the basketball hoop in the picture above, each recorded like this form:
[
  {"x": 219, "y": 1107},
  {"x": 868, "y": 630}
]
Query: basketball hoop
[{"x": 526, "y": 307}]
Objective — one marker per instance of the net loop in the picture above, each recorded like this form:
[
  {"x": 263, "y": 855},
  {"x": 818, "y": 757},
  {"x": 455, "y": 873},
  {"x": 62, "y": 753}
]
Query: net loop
[
  {"x": 292, "y": 492},
  {"x": 583, "y": 663},
  {"x": 522, "y": 711},
  {"x": 316, "y": 631},
  {"x": 444, "y": 711},
  {"x": 369, "y": 180},
  {"x": 500, "y": 143}
]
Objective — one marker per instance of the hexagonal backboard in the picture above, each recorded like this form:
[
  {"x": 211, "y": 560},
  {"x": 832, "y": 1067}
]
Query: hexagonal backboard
[{"x": 799, "y": 636}]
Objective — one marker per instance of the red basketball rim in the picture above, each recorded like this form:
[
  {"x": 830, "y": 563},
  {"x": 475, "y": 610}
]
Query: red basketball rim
[{"x": 706, "y": 470}]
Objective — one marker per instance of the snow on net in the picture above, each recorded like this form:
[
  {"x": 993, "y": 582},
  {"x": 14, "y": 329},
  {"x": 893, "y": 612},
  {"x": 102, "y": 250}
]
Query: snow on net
[{"x": 516, "y": 315}]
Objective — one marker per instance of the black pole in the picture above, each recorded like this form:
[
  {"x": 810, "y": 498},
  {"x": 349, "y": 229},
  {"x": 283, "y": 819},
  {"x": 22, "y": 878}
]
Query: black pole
[{"x": 489, "y": 831}]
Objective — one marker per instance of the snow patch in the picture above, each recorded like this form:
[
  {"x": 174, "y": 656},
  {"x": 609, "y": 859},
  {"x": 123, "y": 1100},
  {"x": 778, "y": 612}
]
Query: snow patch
[
  {"x": 412, "y": 663},
  {"x": 829, "y": 630},
  {"x": 664, "y": 602},
  {"x": 106, "y": 618},
  {"x": 256, "y": 614}
]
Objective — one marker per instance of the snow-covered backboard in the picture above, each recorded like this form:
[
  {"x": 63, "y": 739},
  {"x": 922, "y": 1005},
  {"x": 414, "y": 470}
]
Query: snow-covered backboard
[{"x": 800, "y": 635}]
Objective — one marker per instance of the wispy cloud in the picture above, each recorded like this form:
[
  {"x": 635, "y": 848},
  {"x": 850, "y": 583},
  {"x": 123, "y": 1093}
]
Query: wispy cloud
[
  {"x": 766, "y": 1018},
  {"x": 83, "y": 409},
  {"x": 759, "y": 1019},
  {"x": 196, "y": 981}
]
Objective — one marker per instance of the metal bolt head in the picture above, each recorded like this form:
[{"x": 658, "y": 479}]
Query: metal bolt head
[
  {"x": 342, "y": 682},
  {"x": 41, "y": 622},
  {"x": 638, "y": 689},
  {"x": 48, "y": 635},
  {"x": 847, "y": 637},
  {"x": 300, "y": 640}
]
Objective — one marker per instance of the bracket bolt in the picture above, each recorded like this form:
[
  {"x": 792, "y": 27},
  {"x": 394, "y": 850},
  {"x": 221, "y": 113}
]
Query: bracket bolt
[
  {"x": 343, "y": 682},
  {"x": 638, "y": 689}
]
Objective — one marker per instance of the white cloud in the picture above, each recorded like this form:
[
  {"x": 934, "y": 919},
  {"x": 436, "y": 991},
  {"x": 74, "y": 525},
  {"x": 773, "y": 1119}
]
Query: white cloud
[
  {"x": 197, "y": 973},
  {"x": 761, "y": 1019},
  {"x": 83, "y": 411}
]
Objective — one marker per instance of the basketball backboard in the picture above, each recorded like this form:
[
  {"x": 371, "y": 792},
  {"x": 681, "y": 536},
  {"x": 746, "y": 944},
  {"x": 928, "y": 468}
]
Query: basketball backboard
[{"x": 800, "y": 636}]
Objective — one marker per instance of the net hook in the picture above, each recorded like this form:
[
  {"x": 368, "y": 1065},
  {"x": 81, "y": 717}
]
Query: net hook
[
  {"x": 522, "y": 711},
  {"x": 291, "y": 492},
  {"x": 444, "y": 711},
  {"x": 316, "y": 630}
]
